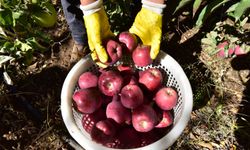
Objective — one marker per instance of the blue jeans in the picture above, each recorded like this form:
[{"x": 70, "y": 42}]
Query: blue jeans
[{"x": 74, "y": 18}]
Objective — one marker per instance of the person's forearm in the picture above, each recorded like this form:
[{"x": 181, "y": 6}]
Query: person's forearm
[
  {"x": 86, "y": 2},
  {"x": 157, "y": 1}
]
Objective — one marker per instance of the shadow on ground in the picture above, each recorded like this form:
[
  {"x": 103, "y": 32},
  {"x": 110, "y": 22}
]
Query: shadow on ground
[
  {"x": 243, "y": 115},
  {"x": 182, "y": 40},
  {"x": 31, "y": 111}
]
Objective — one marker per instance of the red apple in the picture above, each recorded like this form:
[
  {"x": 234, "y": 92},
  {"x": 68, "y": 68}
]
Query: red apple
[
  {"x": 87, "y": 100},
  {"x": 141, "y": 55},
  {"x": 110, "y": 82},
  {"x": 87, "y": 80},
  {"x": 129, "y": 39},
  {"x": 107, "y": 126},
  {"x": 131, "y": 96},
  {"x": 166, "y": 120},
  {"x": 114, "y": 50},
  {"x": 116, "y": 111},
  {"x": 239, "y": 51},
  {"x": 230, "y": 52},
  {"x": 166, "y": 98},
  {"x": 144, "y": 118},
  {"x": 151, "y": 78}
]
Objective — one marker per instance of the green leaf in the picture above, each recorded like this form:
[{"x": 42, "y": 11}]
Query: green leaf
[
  {"x": 28, "y": 57},
  {"x": 35, "y": 45},
  {"x": 244, "y": 21},
  {"x": 4, "y": 59},
  {"x": 212, "y": 35},
  {"x": 16, "y": 16},
  {"x": 2, "y": 32},
  {"x": 9, "y": 3},
  {"x": 240, "y": 9},
  {"x": 208, "y": 10},
  {"x": 196, "y": 6},
  {"x": 6, "y": 17},
  {"x": 7, "y": 47},
  {"x": 181, "y": 4},
  {"x": 208, "y": 41},
  {"x": 22, "y": 46},
  {"x": 232, "y": 8}
]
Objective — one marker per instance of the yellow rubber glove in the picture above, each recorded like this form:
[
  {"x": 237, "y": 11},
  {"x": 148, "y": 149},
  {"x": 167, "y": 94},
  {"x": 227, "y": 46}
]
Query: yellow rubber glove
[
  {"x": 98, "y": 29},
  {"x": 147, "y": 26}
]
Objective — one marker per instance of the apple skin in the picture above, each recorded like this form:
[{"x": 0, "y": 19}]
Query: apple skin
[
  {"x": 144, "y": 118},
  {"x": 107, "y": 126},
  {"x": 110, "y": 82},
  {"x": 87, "y": 100},
  {"x": 116, "y": 111},
  {"x": 167, "y": 120},
  {"x": 141, "y": 55},
  {"x": 239, "y": 51},
  {"x": 131, "y": 96},
  {"x": 129, "y": 40},
  {"x": 151, "y": 78},
  {"x": 87, "y": 80},
  {"x": 114, "y": 50},
  {"x": 166, "y": 98}
]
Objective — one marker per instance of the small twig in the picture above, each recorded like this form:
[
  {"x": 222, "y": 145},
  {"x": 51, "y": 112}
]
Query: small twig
[
  {"x": 59, "y": 42},
  {"x": 47, "y": 113},
  {"x": 19, "y": 93},
  {"x": 44, "y": 133}
]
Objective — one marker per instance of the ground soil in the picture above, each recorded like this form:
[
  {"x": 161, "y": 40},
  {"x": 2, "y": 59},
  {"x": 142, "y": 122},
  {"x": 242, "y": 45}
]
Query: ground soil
[{"x": 30, "y": 110}]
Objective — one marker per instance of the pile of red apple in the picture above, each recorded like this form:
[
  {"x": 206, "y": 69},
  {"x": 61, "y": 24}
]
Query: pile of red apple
[{"x": 124, "y": 107}]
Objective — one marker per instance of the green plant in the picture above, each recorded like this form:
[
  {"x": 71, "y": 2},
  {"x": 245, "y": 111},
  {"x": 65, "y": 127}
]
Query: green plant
[
  {"x": 239, "y": 10},
  {"x": 224, "y": 42},
  {"x": 120, "y": 14},
  {"x": 21, "y": 33},
  {"x": 203, "y": 9}
]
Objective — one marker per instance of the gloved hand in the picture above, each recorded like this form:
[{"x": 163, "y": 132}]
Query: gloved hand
[
  {"x": 98, "y": 29},
  {"x": 147, "y": 25}
]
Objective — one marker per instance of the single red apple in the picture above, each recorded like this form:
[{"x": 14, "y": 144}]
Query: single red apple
[
  {"x": 110, "y": 82},
  {"x": 166, "y": 98},
  {"x": 141, "y": 55},
  {"x": 87, "y": 80},
  {"x": 131, "y": 96},
  {"x": 151, "y": 78},
  {"x": 144, "y": 118},
  {"x": 129, "y": 39},
  {"x": 114, "y": 50},
  {"x": 87, "y": 100}
]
